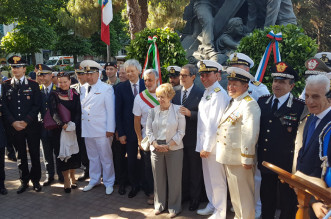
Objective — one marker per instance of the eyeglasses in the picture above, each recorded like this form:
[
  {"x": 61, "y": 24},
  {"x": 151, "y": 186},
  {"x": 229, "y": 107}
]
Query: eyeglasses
[
  {"x": 183, "y": 76},
  {"x": 63, "y": 74},
  {"x": 80, "y": 73}
]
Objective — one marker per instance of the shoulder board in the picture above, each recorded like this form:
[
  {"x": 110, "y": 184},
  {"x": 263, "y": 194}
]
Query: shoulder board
[
  {"x": 248, "y": 98},
  {"x": 296, "y": 99},
  {"x": 7, "y": 80},
  {"x": 217, "y": 89},
  {"x": 256, "y": 83},
  {"x": 54, "y": 87},
  {"x": 40, "y": 87},
  {"x": 265, "y": 96}
]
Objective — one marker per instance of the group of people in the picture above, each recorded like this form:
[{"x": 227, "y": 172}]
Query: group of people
[{"x": 175, "y": 141}]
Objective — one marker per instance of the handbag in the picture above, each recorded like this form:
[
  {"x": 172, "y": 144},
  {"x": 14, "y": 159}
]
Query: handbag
[
  {"x": 49, "y": 122},
  {"x": 64, "y": 113}
]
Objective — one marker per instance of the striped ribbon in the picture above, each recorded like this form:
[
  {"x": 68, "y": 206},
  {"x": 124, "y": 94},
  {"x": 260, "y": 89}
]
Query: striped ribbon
[
  {"x": 149, "y": 99},
  {"x": 272, "y": 46},
  {"x": 153, "y": 50}
]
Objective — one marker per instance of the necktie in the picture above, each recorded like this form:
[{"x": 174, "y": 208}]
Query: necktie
[
  {"x": 275, "y": 105},
  {"x": 46, "y": 91},
  {"x": 135, "y": 91},
  {"x": 89, "y": 89},
  {"x": 184, "y": 97},
  {"x": 311, "y": 130}
]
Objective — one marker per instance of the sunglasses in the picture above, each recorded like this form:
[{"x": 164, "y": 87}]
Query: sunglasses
[{"x": 63, "y": 74}]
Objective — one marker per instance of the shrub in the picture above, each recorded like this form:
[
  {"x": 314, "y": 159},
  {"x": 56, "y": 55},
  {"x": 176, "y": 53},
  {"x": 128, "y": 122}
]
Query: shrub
[
  {"x": 295, "y": 49},
  {"x": 168, "y": 42}
]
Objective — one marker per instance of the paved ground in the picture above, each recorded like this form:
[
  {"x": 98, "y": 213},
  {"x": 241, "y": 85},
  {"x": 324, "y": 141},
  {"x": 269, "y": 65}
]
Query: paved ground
[{"x": 52, "y": 202}]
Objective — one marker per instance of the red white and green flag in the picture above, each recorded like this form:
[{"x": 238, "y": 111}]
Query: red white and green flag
[
  {"x": 106, "y": 18},
  {"x": 153, "y": 52}
]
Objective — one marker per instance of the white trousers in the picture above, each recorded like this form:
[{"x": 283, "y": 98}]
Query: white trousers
[
  {"x": 257, "y": 179},
  {"x": 216, "y": 187},
  {"x": 100, "y": 156}
]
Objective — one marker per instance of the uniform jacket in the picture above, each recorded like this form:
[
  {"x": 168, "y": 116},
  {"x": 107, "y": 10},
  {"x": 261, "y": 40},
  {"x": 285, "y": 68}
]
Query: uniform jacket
[
  {"x": 21, "y": 103},
  {"x": 278, "y": 132},
  {"x": 81, "y": 89},
  {"x": 45, "y": 99},
  {"x": 191, "y": 103},
  {"x": 256, "y": 89},
  {"x": 211, "y": 108},
  {"x": 308, "y": 159},
  {"x": 98, "y": 111},
  {"x": 175, "y": 126},
  {"x": 238, "y": 131},
  {"x": 124, "y": 105}
]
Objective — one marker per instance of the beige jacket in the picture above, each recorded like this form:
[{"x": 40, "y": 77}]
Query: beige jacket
[
  {"x": 175, "y": 126},
  {"x": 238, "y": 131}
]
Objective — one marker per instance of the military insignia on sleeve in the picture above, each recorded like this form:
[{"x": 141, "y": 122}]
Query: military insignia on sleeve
[
  {"x": 217, "y": 89},
  {"x": 248, "y": 98}
]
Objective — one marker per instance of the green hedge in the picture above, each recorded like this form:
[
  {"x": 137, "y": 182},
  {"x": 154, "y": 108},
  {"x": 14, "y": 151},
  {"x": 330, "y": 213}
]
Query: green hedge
[{"x": 295, "y": 49}]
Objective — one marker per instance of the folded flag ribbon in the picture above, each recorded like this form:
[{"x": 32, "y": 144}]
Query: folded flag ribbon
[{"x": 154, "y": 52}]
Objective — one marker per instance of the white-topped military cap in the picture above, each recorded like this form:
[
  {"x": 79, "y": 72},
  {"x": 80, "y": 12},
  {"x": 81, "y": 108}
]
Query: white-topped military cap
[
  {"x": 206, "y": 66},
  {"x": 235, "y": 73},
  {"x": 174, "y": 70},
  {"x": 90, "y": 66},
  {"x": 240, "y": 59}
]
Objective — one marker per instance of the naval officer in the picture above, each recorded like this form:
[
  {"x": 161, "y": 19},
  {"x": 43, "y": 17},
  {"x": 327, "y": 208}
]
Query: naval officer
[
  {"x": 98, "y": 127},
  {"x": 237, "y": 136},
  {"x": 211, "y": 109}
]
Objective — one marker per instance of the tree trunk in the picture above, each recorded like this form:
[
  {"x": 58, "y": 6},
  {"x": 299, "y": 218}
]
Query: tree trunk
[
  {"x": 134, "y": 15},
  {"x": 75, "y": 60},
  {"x": 144, "y": 12},
  {"x": 33, "y": 59}
]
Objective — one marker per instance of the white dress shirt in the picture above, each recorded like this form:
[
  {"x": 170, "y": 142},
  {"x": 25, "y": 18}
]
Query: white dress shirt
[
  {"x": 281, "y": 100},
  {"x": 321, "y": 115},
  {"x": 132, "y": 87},
  {"x": 187, "y": 93}
]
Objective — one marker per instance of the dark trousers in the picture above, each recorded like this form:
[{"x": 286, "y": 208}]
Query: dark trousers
[
  {"x": 288, "y": 201},
  {"x": 148, "y": 180},
  {"x": 133, "y": 163},
  {"x": 9, "y": 145},
  {"x": 50, "y": 143},
  {"x": 2, "y": 167},
  {"x": 31, "y": 137},
  {"x": 120, "y": 162},
  {"x": 192, "y": 178}
]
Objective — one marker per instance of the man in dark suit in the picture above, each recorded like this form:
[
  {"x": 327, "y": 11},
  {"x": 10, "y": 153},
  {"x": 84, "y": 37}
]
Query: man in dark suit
[
  {"x": 44, "y": 74},
  {"x": 319, "y": 107},
  {"x": 21, "y": 105},
  {"x": 280, "y": 116},
  {"x": 189, "y": 97},
  {"x": 125, "y": 93}
]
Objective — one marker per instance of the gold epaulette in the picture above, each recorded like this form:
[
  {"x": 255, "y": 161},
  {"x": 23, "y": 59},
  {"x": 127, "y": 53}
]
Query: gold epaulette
[
  {"x": 217, "y": 89},
  {"x": 256, "y": 83},
  {"x": 248, "y": 98}
]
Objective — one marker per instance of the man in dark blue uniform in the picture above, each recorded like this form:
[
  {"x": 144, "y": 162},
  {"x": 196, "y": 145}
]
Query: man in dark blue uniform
[
  {"x": 48, "y": 139},
  {"x": 3, "y": 143},
  {"x": 21, "y": 105},
  {"x": 280, "y": 115}
]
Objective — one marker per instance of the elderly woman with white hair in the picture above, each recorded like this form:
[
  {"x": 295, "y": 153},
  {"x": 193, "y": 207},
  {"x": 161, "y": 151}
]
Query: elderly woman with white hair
[
  {"x": 125, "y": 93},
  {"x": 165, "y": 129}
]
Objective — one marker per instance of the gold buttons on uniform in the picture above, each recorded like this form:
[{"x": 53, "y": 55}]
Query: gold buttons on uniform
[
  {"x": 268, "y": 130},
  {"x": 265, "y": 149},
  {"x": 266, "y": 140},
  {"x": 224, "y": 143},
  {"x": 224, "y": 136},
  {"x": 270, "y": 121}
]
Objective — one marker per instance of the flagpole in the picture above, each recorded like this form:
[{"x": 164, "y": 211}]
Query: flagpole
[{"x": 108, "y": 53}]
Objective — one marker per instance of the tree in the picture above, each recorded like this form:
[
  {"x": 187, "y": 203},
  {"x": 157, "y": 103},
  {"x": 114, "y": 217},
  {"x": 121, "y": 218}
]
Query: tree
[
  {"x": 33, "y": 29},
  {"x": 314, "y": 17},
  {"x": 168, "y": 42},
  {"x": 295, "y": 49}
]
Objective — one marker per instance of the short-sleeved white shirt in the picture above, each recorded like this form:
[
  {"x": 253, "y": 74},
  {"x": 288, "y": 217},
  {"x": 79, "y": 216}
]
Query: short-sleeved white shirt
[{"x": 140, "y": 108}]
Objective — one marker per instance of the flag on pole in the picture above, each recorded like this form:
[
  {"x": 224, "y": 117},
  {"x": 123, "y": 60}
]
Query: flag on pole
[{"x": 106, "y": 18}]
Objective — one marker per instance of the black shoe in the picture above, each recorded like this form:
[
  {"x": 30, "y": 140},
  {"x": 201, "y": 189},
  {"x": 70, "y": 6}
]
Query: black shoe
[
  {"x": 134, "y": 191},
  {"x": 36, "y": 187},
  {"x": 22, "y": 188},
  {"x": 122, "y": 190},
  {"x": 194, "y": 204},
  {"x": 3, "y": 191},
  {"x": 84, "y": 176},
  {"x": 48, "y": 181},
  {"x": 67, "y": 190}
]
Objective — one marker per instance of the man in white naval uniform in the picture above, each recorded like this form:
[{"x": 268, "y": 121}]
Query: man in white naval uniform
[
  {"x": 237, "y": 136},
  {"x": 211, "y": 108},
  {"x": 98, "y": 127},
  {"x": 256, "y": 89}
]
